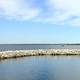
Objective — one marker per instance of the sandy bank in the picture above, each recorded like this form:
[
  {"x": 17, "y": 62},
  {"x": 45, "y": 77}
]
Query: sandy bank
[{"x": 22, "y": 53}]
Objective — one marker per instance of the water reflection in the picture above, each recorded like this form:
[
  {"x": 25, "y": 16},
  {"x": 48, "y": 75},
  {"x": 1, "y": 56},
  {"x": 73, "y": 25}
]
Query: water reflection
[{"x": 41, "y": 68}]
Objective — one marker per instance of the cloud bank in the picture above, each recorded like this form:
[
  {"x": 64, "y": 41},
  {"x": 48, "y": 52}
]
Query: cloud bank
[{"x": 52, "y": 11}]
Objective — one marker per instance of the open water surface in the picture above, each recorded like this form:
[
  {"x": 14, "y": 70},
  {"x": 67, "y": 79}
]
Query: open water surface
[
  {"x": 5, "y": 47},
  {"x": 41, "y": 68}
]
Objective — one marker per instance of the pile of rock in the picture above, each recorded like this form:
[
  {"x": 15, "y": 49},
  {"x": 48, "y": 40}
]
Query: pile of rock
[{"x": 22, "y": 53}]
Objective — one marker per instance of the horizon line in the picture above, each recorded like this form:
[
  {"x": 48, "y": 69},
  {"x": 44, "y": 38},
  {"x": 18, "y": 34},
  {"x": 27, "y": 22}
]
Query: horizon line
[{"x": 42, "y": 43}]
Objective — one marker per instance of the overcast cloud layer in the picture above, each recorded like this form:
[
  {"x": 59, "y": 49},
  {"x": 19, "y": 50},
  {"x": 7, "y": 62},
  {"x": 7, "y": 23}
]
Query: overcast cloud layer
[{"x": 52, "y": 11}]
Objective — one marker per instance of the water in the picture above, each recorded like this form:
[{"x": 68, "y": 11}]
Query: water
[
  {"x": 4, "y": 47},
  {"x": 41, "y": 68}
]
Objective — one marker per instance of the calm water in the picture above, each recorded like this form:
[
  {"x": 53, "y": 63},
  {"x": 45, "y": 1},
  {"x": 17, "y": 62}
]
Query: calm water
[
  {"x": 36, "y": 46},
  {"x": 41, "y": 68}
]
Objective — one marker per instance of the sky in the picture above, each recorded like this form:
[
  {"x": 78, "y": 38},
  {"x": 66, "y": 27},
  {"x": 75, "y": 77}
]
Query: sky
[{"x": 39, "y": 21}]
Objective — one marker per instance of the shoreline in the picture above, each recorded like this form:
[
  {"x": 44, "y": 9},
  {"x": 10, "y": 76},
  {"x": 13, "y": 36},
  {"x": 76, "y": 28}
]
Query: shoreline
[{"x": 38, "y": 52}]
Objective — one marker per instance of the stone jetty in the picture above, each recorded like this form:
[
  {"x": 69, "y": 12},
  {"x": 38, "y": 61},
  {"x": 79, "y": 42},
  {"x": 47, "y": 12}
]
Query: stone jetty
[{"x": 38, "y": 52}]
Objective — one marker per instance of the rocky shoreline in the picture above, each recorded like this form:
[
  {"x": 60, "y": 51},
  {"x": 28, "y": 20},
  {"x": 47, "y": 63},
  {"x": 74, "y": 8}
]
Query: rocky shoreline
[{"x": 23, "y": 53}]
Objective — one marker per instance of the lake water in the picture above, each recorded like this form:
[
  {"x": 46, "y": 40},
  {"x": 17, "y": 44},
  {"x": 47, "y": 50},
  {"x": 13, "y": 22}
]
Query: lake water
[
  {"x": 4, "y": 47},
  {"x": 41, "y": 68}
]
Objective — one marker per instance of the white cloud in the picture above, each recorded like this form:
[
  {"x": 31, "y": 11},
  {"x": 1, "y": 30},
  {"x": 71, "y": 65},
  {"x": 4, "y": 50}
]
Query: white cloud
[
  {"x": 53, "y": 11},
  {"x": 65, "y": 10},
  {"x": 17, "y": 9}
]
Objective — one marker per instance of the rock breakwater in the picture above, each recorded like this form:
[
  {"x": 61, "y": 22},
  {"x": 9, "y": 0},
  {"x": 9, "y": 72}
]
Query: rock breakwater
[{"x": 23, "y": 53}]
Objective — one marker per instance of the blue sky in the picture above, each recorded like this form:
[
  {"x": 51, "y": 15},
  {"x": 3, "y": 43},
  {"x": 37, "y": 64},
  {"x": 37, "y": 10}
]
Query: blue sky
[{"x": 39, "y": 21}]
